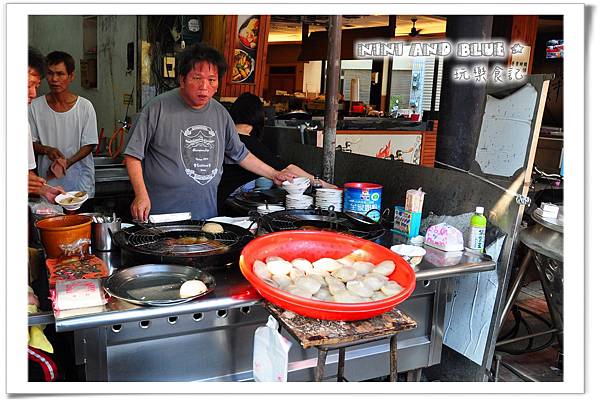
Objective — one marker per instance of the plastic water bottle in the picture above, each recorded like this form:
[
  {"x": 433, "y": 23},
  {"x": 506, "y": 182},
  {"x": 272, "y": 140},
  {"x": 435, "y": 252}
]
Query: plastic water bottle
[{"x": 477, "y": 230}]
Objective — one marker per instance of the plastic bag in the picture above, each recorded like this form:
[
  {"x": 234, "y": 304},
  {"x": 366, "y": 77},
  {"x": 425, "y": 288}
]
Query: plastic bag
[
  {"x": 79, "y": 249},
  {"x": 271, "y": 350},
  {"x": 43, "y": 208}
]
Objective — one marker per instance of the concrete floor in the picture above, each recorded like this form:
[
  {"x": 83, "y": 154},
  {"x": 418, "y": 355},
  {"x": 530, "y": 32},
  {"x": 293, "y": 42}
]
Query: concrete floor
[{"x": 540, "y": 365}]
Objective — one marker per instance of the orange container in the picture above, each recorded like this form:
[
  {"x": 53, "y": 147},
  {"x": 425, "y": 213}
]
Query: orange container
[
  {"x": 314, "y": 245},
  {"x": 61, "y": 230}
]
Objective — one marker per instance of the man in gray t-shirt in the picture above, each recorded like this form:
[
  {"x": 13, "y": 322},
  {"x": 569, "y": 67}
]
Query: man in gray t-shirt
[{"x": 182, "y": 138}]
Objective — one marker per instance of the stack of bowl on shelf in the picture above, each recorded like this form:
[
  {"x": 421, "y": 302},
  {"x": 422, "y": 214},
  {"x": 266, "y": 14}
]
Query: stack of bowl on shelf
[
  {"x": 326, "y": 197},
  {"x": 295, "y": 199}
]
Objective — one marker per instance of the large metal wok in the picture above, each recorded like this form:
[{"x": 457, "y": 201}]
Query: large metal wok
[{"x": 181, "y": 244}]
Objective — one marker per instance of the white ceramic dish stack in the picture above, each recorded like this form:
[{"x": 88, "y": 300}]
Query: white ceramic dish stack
[
  {"x": 297, "y": 186},
  {"x": 298, "y": 201},
  {"x": 326, "y": 197}
]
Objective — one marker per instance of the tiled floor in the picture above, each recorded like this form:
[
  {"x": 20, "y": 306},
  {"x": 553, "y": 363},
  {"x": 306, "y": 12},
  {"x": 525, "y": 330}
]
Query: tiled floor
[{"x": 540, "y": 365}]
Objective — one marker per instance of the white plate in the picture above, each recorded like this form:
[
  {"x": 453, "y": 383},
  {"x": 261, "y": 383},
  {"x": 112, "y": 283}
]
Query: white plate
[{"x": 408, "y": 250}]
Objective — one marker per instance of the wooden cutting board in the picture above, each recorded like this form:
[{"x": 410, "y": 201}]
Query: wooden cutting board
[{"x": 311, "y": 332}]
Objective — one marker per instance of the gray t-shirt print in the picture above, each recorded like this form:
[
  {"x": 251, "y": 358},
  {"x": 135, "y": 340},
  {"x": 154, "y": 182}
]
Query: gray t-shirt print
[
  {"x": 199, "y": 146},
  {"x": 182, "y": 152}
]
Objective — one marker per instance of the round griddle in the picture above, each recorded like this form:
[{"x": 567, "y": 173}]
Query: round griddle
[
  {"x": 155, "y": 285},
  {"x": 182, "y": 244},
  {"x": 318, "y": 219}
]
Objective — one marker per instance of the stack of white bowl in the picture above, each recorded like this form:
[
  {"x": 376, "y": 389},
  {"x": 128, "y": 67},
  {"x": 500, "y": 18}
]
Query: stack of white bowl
[
  {"x": 298, "y": 201},
  {"x": 297, "y": 186},
  {"x": 326, "y": 197}
]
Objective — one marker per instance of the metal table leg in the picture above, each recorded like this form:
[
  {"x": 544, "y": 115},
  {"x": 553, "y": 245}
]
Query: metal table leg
[
  {"x": 393, "y": 358},
  {"x": 516, "y": 287},
  {"x": 341, "y": 363},
  {"x": 320, "y": 370}
]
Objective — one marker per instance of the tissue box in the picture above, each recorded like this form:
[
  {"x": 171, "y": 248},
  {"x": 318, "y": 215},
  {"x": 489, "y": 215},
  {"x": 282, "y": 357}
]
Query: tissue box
[
  {"x": 406, "y": 223},
  {"x": 445, "y": 237}
]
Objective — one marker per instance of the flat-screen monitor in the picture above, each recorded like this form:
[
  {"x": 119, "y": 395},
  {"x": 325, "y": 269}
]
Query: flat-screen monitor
[{"x": 554, "y": 48}]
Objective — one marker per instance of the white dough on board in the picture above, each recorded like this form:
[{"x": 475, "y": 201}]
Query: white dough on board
[{"x": 191, "y": 288}]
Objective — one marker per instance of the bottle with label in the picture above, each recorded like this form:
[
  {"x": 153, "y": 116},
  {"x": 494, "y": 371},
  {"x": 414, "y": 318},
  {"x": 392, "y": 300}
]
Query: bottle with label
[{"x": 477, "y": 230}]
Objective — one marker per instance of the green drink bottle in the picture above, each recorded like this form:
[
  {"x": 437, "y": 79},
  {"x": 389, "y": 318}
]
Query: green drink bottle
[{"x": 477, "y": 230}]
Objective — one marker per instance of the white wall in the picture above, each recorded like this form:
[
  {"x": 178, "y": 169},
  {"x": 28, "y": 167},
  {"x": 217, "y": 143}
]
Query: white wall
[
  {"x": 49, "y": 33},
  {"x": 312, "y": 77},
  {"x": 356, "y": 64},
  {"x": 402, "y": 63}
]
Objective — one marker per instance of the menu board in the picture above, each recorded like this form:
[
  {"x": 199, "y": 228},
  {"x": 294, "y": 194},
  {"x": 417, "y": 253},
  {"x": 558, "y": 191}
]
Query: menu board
[{"x": 244, "y": 52}]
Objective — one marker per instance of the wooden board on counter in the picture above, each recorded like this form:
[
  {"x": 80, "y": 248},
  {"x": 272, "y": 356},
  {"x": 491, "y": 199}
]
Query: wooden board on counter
[{"x": 311, "y": 332}]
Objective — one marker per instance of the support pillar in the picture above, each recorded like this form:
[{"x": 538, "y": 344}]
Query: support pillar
[{"x": 461, "y": 103}]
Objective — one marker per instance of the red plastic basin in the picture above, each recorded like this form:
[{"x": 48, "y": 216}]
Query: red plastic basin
[{"x": 314, "y": 245}]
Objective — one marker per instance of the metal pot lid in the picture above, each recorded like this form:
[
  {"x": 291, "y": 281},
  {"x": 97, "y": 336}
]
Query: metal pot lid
[{"x": 155, "y": 284}]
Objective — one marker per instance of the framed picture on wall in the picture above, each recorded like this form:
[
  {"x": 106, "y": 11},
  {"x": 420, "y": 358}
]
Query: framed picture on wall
[{"x": 246, "y": 45}]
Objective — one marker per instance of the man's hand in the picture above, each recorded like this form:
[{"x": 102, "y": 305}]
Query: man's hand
[
  {"x": 36, "y": 183},
  {"x": 140, "y": 208},
  {"x": 51, "y": 193},
  {"x": 54, "y": 153},
  {"x": 279, "y": 177},
  {"x": 327, "y": 185}
]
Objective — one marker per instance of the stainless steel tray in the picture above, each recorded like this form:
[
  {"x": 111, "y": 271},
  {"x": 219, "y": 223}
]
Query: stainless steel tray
[{"x": 155, "y": 284}]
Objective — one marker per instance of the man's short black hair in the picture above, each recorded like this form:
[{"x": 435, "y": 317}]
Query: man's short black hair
[
  {"x": 200, "y": 52},
  {"x": 37, "y": 61},
  {"x": 249, "y": 109},
  {"x": 57, "y": 57}
]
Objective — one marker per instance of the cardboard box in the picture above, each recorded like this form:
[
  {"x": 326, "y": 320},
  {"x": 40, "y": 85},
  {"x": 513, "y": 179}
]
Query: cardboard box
[{"x": 406, "y": 223}]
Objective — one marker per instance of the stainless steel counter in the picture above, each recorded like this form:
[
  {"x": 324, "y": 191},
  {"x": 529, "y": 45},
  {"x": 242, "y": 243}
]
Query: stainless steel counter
[
  {"x": 234, "y": 291},
  {"x": 111, "y": 174},
  {"x": 211, "y": 339},
  {"x": 108, "y": 169}
]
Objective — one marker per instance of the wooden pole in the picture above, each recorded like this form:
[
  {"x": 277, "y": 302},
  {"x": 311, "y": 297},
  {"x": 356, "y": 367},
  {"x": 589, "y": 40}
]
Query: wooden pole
[{"x": 334, "y": 39}]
